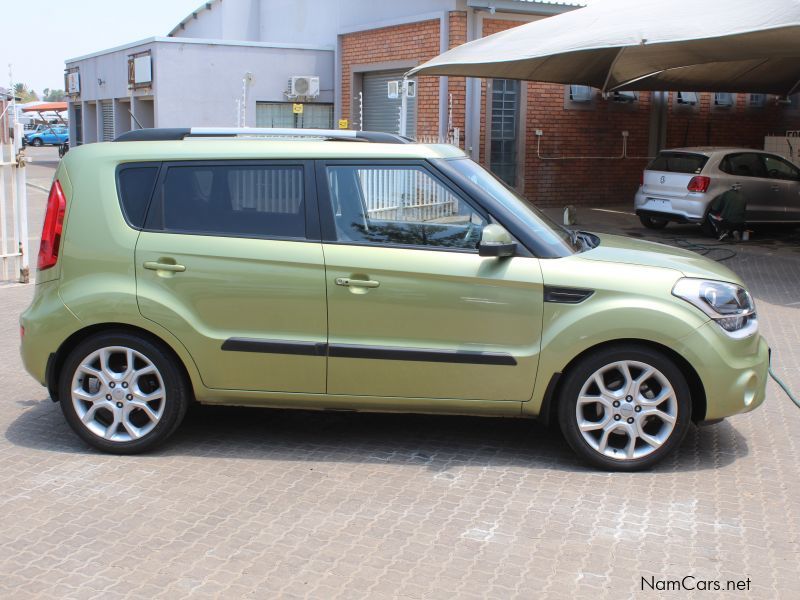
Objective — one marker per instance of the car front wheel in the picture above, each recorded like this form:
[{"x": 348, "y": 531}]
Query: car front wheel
[
  {"x": 122, "y": 393},
  {"x": 625, "y": 408}
]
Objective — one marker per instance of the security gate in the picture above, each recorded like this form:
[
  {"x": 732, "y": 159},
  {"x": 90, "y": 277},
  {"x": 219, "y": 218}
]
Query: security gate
[
  {"x": 382, "y": 113},
  {"x": 107, "y": 108}
]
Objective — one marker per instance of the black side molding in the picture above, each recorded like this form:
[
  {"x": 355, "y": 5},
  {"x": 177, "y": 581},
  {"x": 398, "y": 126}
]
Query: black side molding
[
  {"x": 371, "y": 352},
  {"x": 566, "y": 295},
  {"x": 413, "y": 354},
  {"x": 275, "y": 347}
]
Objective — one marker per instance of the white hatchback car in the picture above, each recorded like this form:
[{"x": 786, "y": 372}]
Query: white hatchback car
[{"x": 680, "y": 184}]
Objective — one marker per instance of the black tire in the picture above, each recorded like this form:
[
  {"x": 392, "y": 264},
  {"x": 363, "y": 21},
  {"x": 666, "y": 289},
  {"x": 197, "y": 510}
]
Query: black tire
[
  {"x": 579, "y": 374},
  {"x": 653, "y": 222},
  {"x": 37, "y": 142},
  {"x": 176, "y": 392}
]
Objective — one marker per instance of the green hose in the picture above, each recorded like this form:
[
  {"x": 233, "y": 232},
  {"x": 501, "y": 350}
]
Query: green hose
[{"x": 783, "y": 385}]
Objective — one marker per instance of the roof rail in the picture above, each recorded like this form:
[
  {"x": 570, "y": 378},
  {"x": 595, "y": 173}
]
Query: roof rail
[{"x": 181, "y": 133}]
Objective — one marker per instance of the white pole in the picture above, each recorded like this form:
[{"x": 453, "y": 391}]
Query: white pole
[
  {"x": 22, "y": 206},
  {"x": 404, "y": 107},
  {"x": 361, "y": 111}
]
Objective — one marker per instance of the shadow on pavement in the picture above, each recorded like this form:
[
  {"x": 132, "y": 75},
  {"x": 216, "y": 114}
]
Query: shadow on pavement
[{"x": 436, "y": 443}]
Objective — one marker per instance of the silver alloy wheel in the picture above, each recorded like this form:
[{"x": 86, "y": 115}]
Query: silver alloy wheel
[
  {"x": 626, "y": 410},
  {"x": 118, "y": 394}
]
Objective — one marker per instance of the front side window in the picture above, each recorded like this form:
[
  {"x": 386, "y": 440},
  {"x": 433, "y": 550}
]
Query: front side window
[
  {"x": 235, "y": 200},
  {"x": 778, "y": 168},
  {"x": 403, "y": 206}
]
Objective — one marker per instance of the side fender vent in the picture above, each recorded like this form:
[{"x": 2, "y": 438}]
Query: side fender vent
[{"x": 565, "y": 295}]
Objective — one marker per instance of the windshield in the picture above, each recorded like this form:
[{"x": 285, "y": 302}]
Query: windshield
[{"x": 547, "y": 231}]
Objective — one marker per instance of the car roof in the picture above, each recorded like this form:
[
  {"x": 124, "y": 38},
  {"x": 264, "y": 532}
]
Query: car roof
[
  {"x": 710, "y": 150},
  {"x": 253, "y": 149}
]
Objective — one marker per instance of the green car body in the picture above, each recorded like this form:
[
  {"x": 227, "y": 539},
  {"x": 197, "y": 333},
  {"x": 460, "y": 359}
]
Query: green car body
[{"x": 450, "y": 331}]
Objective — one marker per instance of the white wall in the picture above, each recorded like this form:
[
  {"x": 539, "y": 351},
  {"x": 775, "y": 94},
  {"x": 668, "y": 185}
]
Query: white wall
[{"x": 198, "y": 84}]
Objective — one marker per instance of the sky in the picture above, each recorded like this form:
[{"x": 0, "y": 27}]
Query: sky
[{"x": 37, "y": 37}]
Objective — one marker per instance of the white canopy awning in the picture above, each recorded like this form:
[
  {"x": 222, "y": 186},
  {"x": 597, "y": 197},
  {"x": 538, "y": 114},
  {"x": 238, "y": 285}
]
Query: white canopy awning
[{"x": 708, "y": 45}]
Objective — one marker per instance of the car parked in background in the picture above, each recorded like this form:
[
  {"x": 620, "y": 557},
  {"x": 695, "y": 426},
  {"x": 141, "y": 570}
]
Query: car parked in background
[
  {"x": 49, "y": 135},
  {"x": 362, "y": 272},
  {"x": 679, "y": 185}
]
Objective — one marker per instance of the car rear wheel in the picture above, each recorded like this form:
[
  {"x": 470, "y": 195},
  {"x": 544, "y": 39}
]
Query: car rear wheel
[
  {"x": 653, "y": 222},
  {"x": 625, "y": 408},
  {"x": 122, "y": 393},
  {"x": 37, "y": 142}
]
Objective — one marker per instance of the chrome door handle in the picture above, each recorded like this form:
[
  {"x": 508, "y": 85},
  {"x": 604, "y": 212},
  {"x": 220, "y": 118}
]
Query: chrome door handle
[
  {"x": 364, "y": 283},
  {"x": 159, "y": 266}
]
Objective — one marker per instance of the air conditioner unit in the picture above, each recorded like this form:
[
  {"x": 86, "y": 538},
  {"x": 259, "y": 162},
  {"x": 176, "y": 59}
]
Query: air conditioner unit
[
  {"x": 580, "y": 93},
  {"x": 304, "y": 86},
  {"x": 723, "y": 99}
]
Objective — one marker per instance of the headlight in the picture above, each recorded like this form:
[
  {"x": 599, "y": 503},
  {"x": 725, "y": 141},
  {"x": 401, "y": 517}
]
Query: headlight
[{"x": 728, "y": 304}]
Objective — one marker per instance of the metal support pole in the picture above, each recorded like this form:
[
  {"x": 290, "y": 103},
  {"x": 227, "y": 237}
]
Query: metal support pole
[{"x": 404, "y": 107}]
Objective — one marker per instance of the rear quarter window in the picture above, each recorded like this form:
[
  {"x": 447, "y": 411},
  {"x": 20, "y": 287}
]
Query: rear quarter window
[
  {"x": 678, "y": 162},
  {"x": 135, "y": 185}
]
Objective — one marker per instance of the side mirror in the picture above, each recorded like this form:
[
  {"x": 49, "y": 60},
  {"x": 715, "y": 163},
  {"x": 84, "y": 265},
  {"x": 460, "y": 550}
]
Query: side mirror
[{"x": 497, "y": 242}]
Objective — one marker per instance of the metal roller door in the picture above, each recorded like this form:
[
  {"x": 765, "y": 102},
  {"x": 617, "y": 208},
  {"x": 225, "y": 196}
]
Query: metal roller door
[
  {"x": 107, "y": 108},
  {"x": 382, "y": 113}
]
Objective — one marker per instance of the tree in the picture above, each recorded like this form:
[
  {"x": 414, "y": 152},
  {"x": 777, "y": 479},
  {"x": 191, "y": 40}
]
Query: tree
[
  {"x": 53, "y": 95},
  {"x": 22, "y": 92}
]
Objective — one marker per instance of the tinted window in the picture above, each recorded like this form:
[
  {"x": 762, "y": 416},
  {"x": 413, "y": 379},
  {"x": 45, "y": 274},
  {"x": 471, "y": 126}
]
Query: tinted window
[
  {"x": 678, "y": 162},
  {"x": 777, "y": 168},
  {"x": 250, "y": 201},
  {"x": 135, "y": 186},
  {"x": 403, "y": 206},
  {"x": 745, "y": 164}
]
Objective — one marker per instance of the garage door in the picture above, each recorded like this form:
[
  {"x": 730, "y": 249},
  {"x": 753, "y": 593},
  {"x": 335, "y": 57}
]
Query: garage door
[{"x": 382, "y": 113}]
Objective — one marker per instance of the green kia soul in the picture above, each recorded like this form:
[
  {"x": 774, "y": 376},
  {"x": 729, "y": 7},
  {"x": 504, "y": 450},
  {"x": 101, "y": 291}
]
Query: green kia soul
[{"x": 356, "y": 271}]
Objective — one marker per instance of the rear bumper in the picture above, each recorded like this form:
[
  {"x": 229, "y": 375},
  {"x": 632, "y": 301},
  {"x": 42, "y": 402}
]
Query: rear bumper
[{"x": 691, "y": 208}]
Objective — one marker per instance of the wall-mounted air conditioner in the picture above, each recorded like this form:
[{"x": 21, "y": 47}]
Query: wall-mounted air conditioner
[{"x": 303, "y": 86}]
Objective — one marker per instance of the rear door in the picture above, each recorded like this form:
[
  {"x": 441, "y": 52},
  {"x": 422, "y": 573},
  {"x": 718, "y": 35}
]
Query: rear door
[
  {"x": 413, "y": 310},
  {"x": 784, "y": 174},
  {"x": 764, "y": 197},
  {"x": 230, "y": 262}
]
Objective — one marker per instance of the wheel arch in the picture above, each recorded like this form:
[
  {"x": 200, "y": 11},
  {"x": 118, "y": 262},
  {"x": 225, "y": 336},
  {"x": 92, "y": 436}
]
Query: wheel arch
[
  {"x": 696, "y": 388},
  {"x": 56, "y": 360}
]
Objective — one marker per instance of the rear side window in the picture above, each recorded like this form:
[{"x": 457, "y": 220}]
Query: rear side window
[
  {"x": 746, "y": 164},
  {"x": 135, "y": 187},
  {"x": 678, "y": 162},
  {"x": 231, "y": 200}
]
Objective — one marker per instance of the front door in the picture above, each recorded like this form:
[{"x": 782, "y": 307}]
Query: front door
[
  {"x": 413, "y": 311},
  {"x": 785, "y": 175},
  {"x": 228, "y": 265}
]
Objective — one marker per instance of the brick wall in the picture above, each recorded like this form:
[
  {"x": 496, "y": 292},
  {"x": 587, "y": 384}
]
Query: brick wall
[
  {"x": 561, "y": 176},
  {"x": 413, "y": 42}
]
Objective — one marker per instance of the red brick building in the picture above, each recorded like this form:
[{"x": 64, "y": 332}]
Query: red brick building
[{"x": 557, "y": 144}]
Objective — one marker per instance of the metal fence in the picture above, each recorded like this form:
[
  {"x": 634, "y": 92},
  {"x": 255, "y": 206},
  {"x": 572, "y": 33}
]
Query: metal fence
[
  {"x": 405, "y": 195},
  {"x": 13, "y": 202}
]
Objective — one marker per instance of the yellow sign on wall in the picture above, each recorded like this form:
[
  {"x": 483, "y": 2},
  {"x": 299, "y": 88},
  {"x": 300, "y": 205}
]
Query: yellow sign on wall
[
  {"x": 297, "y": 109},
  {"x": 343, "y": 124}
]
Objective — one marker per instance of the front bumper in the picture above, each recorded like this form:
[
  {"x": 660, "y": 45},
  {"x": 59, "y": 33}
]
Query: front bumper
[{"x": 733, "y": 372}]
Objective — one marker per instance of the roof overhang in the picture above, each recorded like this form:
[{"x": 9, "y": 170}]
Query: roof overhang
[{"x": 526, "y": 7}]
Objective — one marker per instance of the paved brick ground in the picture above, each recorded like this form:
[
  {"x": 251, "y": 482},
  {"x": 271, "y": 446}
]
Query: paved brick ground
[{"x": 268, "y": 504}]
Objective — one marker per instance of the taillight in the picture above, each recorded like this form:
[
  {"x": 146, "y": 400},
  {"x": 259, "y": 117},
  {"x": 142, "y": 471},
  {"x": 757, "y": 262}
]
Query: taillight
[
  {"x": 699, "y": 183},
  {"x": 53, "y": 226}
]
